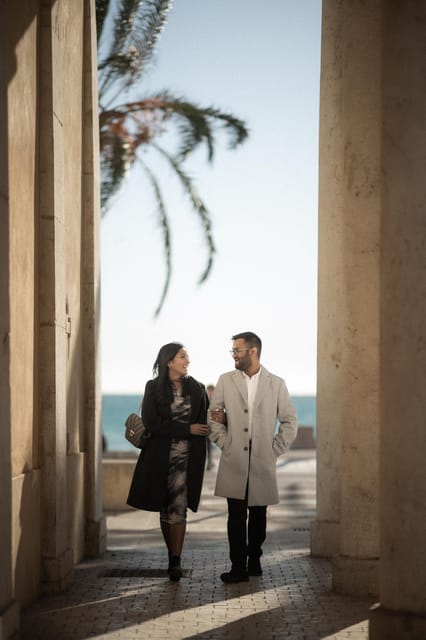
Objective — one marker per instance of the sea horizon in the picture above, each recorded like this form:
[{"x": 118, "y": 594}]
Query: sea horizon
[{"x": 117, "y": 406}]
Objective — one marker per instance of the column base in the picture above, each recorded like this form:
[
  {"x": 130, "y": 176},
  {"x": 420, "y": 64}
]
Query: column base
[
  {"x": 96, "y": 538},
  {"x": 325, "y": 538},
  {"x": 355, "y": 576},
  {"x": 393, "y": 625},
  {"x": 9, "y": 621},
  {"x": 57, "y": 572}
]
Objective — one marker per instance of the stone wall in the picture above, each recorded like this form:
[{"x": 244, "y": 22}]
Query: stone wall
[{"x": 50, "y": 447}]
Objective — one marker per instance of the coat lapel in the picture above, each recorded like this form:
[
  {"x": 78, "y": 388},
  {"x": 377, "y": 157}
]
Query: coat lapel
[
  {"x": 262, "y": 385},
  {"x": 240, "y": 384}
]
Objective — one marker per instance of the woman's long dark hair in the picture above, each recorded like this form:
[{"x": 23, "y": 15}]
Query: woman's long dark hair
[{"x": 160, "y": 369}]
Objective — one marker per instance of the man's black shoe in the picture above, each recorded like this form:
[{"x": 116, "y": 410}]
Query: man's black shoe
[
  {"x": 232, "y": 577},
  {"x": 254, "y": 568}
]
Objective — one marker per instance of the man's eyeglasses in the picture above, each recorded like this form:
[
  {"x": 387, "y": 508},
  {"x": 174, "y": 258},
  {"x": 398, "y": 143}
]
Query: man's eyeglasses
[{"x": 237, "y": 351}]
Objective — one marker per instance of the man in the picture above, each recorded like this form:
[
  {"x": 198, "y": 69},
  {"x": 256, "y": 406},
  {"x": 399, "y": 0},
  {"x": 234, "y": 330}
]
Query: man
[{"x": 246, "y": 406}]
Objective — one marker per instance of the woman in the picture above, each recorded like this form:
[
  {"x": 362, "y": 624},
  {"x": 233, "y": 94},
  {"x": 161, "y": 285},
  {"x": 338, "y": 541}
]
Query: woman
[{"x": 169, "y": 472}]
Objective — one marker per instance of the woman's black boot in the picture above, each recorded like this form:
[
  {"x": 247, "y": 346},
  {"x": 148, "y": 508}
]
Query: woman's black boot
[{"x": 175, "y": 570}]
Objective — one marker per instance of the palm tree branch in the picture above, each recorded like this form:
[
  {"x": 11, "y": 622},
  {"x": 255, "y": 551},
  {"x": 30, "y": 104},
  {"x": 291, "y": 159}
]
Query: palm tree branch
[
  {"x": 198, "y": 205},
  {"x": 102, "y": 8},
  {"x": 165, "y": 226},
  {"x": 134, "y": 27},
  {"x": 116, "y": 159},
  {"x": 148, "y": 28},
  {"x": 140, "y": 122},
  {"x": 137, "y": 28},
  {"x": 195, "y": 123}
]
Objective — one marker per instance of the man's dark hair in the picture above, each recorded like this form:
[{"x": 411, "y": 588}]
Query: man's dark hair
[{"x": 251, "y": 339}]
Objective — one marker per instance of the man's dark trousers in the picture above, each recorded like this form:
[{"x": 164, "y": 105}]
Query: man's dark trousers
[{"x": 239, "y": 548}]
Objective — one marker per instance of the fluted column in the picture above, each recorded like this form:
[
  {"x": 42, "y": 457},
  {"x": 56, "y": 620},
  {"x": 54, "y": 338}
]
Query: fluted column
[{"x": 402, "y": 575}]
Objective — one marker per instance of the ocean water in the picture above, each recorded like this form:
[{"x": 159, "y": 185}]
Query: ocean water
[{"x": 116, "y": 408}]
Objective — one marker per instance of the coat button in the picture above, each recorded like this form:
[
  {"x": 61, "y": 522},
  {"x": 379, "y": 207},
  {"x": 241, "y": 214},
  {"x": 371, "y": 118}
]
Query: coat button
[
  {"x": 245, "y": 410},
  {"x": 245, "y": 448},
  {"x": 246, "y": 429}
]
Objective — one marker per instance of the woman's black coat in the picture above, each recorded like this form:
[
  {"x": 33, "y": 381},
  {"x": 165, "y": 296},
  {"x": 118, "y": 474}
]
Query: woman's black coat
[{"x": 149, "y": 484}]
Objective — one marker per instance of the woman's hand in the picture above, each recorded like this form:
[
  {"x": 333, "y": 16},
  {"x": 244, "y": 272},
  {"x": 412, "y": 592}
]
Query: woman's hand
[{"x": 199, "y": 429}]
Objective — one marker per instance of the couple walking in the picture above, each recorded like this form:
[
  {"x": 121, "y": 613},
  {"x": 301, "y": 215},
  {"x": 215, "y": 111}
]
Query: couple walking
[{"x": 246, "y": 406}]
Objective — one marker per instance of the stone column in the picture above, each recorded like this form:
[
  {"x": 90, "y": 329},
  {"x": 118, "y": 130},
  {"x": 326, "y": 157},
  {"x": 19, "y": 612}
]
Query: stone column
[
  {"x": 348, "y": 338},
  {"x": 9, "y": 612},
  {"x": 95, "y": 537},
  {"x": 57, "y": 558},
  {"x": 402, "y": 575},
  {"x": 354, "y": 217},
  {"x": 325, "y": 529},
  {"x": 10, "y": 31},
  {"x": 355, "y": 567}
]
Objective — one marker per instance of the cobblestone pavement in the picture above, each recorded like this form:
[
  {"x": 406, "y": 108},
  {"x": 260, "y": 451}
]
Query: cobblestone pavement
[{"x": 126, "y": 594}]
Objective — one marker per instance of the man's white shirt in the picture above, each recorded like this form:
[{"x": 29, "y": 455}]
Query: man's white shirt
[{"x": 251, "y": 394}]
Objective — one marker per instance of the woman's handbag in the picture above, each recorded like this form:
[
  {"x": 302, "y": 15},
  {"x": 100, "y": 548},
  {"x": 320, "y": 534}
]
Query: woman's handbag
[{"x": 135, "y": 430}]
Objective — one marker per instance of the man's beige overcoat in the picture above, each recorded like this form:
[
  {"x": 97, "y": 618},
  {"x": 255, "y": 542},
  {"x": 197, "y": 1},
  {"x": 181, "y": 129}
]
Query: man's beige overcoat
[{"x": 272, "y": 407}]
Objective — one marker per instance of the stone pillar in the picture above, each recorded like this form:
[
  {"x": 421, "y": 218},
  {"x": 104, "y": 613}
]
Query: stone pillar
[
  {"x": 355, "y": 567},
  {"x": 9, "y": 610},
  {"x": 57, "y": 558},
  {"x": 95, "y": 537},
  {"x": 402, "y": 574},
  {"x": 325, "y": 529},
  {"x": 9, "y": 613},
  {"x": 350, "y": 144}
]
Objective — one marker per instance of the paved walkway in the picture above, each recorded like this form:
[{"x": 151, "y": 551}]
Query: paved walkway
[{"x": 126, "y": 594}]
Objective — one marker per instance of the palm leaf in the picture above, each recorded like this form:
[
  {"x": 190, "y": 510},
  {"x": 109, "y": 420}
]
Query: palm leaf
[
  {"x": 137, "y": 28},
  {"x": 198, "y": 206},
  {"x": 102, "y": 8},
  {"x": 116, "y": 159},
  {"x": 164, "y": 224},
  {"x": 128, "y": 127},
  {"x": 196, "y": 124}
]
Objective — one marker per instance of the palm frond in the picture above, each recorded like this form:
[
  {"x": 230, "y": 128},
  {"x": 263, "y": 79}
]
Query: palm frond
[
  {"x": 116, "y": 159},
  {"x": 102, "y": 8},
  {"x": 164, "y": 223},
  {"x": 148, "y": 27},
  {"x": 124, "y": 24},
  {"x": 198, "y": 206},
  {"x": 137, "y": 28},
  {"x": 127, "y": 127},
  {"x": 138, "y": 123},
  {"x": 196, "y": 124}
]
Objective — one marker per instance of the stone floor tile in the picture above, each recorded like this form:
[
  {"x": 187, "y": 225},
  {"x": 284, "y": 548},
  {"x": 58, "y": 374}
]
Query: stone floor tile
[{"x": 109, "y": 599}]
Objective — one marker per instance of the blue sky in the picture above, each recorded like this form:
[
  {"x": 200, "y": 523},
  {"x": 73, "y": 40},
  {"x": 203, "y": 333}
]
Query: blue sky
[{"x": 262, "y": 63}]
